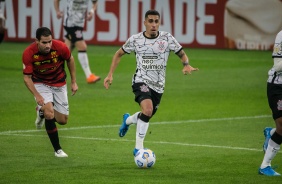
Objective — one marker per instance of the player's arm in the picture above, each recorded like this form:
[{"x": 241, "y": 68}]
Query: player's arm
[
  {"x": 57, "y": 8},
  {"x": 71, "y": 67},
  {"x": 93, "y": 9},
  {"x": 115, "y": 61},
  {"x": 30, "y": 86},
  {"x": 187, "y": 68},
  {"x": 277, "y": 64}
]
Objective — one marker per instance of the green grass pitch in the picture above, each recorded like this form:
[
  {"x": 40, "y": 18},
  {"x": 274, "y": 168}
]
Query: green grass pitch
[{"x": 208, "y": 128}]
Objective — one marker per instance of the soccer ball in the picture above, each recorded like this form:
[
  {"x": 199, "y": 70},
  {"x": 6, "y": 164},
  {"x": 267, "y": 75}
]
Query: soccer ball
[{"x": 145, "y": 158}]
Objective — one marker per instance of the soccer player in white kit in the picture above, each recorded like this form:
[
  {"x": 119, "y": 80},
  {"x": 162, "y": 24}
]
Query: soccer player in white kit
[
  {"x": 152, "y": 48},
  {"x": 74, "y": 20},
  {"x": 273, "y": 136}
]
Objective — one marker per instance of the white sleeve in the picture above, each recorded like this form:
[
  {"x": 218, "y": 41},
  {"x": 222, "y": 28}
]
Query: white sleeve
[{"x": 277, "y": 64}]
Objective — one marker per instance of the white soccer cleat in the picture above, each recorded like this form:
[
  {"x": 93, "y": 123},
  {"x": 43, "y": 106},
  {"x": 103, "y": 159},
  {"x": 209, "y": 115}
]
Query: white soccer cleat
[
  {"x": 39, "y": 122},
  {"x": 60, "y": 153}
]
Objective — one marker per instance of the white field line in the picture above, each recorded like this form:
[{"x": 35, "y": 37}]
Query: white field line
[
  {"x": 152, "y": 142},
  {"x": 19, "y": 133},
  {"x": 151, "y": 124}
]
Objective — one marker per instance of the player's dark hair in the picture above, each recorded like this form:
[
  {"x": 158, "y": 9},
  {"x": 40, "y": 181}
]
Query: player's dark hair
[
  {"x": 152, "y": 12},
  {"x": 43, "y": 31}
]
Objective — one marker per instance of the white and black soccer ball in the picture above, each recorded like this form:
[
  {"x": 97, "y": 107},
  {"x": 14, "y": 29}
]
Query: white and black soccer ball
[{"x": 145, "y": 158}]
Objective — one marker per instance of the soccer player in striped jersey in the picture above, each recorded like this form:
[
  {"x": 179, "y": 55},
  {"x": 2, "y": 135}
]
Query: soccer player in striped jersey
[
  {"x": 273, "y": 136},
  {"x": 74, "y": 20},
  {"x": 45, "y": 77},
  {"x": 152, "y": 48}
]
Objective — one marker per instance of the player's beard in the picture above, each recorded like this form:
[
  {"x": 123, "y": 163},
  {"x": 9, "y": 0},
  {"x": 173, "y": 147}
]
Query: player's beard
[{"x": 45, "y": 50}]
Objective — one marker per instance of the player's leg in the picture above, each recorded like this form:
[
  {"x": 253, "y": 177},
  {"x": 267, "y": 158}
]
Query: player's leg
[
  {"x": 273, "y": 147},
  {"x": 133, "y": 118},
  {"x": 81, "y": 47},
  {"x": 2, "y": 28},
  {"x": 275, "y": 140},
  {"x": 149, "y": 107},
  {"x": 46, "y": 93},
  {"x": 69, "y": 44},
  {"x": 68, "y": 38},
  {"x": 51, "y": 128},
  {"x": 127, "y": 119},
  {"x": 57, "y": 111},
  {"x": 143, "y": 122}
]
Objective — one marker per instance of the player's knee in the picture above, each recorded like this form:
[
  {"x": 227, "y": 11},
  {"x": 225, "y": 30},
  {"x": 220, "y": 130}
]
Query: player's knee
[
  {"x": 148, "y": 112},
  {"x": 63, "y": 120},
  {"x": 49, "y": 114}
]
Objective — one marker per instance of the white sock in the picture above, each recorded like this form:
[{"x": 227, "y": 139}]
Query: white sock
[
  {"x": 272, "y": 131},
  {"x": 132, "y": 119},
  {"x": 83, "y": 60},
  {"x": 270, "y": 153},
  {"x": 141, "y": 131}
]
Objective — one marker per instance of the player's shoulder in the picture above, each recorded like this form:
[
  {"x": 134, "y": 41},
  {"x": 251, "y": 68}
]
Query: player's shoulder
[
  {"x": 31, "y": 49},
  {"x": 138, "y": 35},
  {"x": 278, "y": 38},
  {"x": 58, "y": 42},
  {"x": 279, "y": 33},
  {"x": 165, "y": 33}
]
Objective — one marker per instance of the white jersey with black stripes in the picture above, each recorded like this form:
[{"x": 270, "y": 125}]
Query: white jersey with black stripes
[
  {"x": 274, "y": 74},
  {"x": 151, "y": 57}
]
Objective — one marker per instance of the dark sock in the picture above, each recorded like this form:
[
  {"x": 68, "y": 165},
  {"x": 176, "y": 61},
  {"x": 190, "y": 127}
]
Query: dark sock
[
  {"x": 276, "y": 138},
  {"x": 52, "y": 132}
]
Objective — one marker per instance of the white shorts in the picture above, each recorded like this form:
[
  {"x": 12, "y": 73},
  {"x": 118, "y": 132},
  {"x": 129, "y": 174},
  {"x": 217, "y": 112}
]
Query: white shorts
[{"x": 57, "y": 95}]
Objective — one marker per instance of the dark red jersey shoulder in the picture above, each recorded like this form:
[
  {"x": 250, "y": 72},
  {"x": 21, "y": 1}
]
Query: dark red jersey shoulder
[
  {"x": 31, "y": 49},
  {"x": 61, "y": 48}
]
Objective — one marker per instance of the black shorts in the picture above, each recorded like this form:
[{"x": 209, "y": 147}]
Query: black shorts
[
  {"x": 74, "y": 34},
  {"x": 274, "y": 95},
  {"x": 142, "y": 92}
]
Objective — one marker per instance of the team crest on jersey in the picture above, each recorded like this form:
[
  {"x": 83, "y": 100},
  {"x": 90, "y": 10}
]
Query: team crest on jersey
[
  {"x": 54, "y": 54},
  {"x": 144, "y": 88},
  {"x": 35, "y": 56},
  {"x": 161, "y": 45},
  {"x": 279, "y": 105}
]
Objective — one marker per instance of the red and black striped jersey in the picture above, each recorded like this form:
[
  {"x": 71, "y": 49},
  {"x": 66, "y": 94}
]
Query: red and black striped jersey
[{"x": 46, "y": 68}]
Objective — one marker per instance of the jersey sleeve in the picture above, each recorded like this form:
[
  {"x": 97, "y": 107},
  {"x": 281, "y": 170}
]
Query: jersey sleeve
[
  {"x": 173, "y": 44},
  {"x": 27, "y": 62},
  {"x": 277, "y": 48},
  {"x": 128, "y": 47}
]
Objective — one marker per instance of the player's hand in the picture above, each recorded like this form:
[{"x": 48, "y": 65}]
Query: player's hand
[
  {"x": 39, "y": 100},
  {"x": 74, "y": 88},
  {"x": 107, "y": 82},
  {"x": 89, "y": 16},
  {"x": 60, "y": 14},
  {"x": 188, "y": 69}
]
